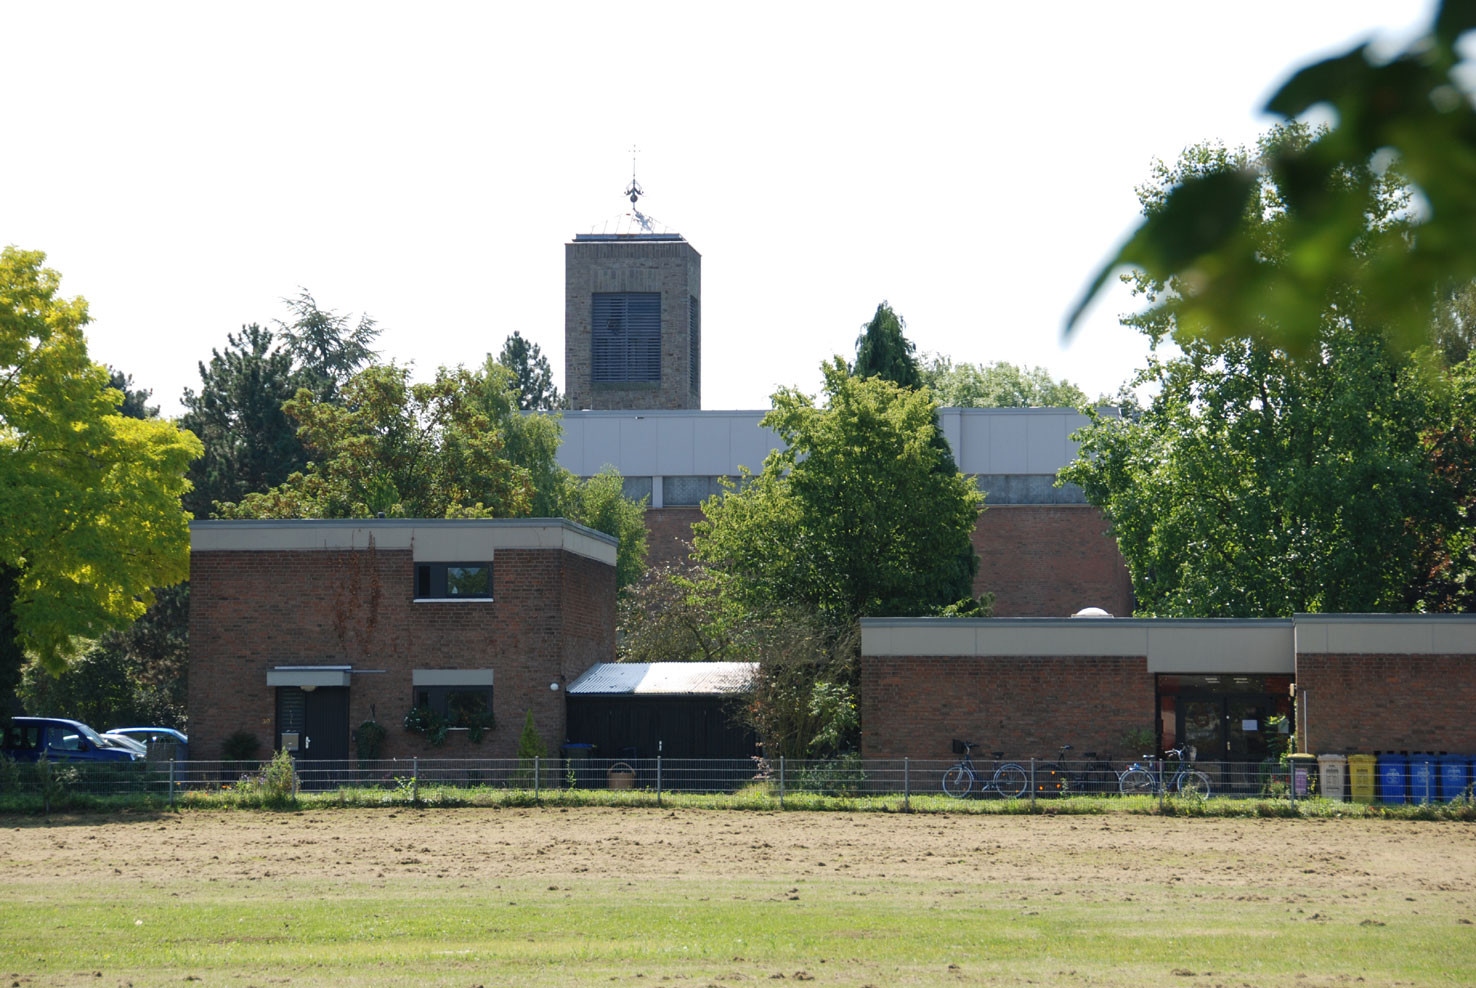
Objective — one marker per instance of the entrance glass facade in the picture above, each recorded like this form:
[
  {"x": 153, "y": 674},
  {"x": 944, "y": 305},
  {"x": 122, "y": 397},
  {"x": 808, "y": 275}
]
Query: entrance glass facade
[{"x": 1236, "y": 722}]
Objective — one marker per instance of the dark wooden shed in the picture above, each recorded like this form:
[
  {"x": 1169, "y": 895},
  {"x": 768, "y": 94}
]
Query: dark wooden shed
[{"x": 677, "y": 709}]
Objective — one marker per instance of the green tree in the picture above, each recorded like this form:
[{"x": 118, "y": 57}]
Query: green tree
[
  {"x": 852, "y": 517},
  {"x": 329, "y": 348},
  {"x": 1205, "y": 238},
  {"x": 135, "y": 403},
  {"x": 388, "y": 445},
  {"x": 250, "y": 442},
  {"x": 680, "y": 614},
  {"x": 102, "y": 688},
  {"x": 599, "y": 502},
  {"x": 802, "y": 701},
  {"x": 454, "y": 447},
  {"x": 531, "y": 442},
  {"x": 883, "y": 350},
  {"x": 534, "y": 377},
  {"x": 997, "y": 385},
  {"x": 1261, "y": 483},
  {"x": 90, "y": 498}
]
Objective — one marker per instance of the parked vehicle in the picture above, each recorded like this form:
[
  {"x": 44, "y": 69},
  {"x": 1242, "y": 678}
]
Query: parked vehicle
[
  {"x": 124, "y": 742},
  {"x": 163, "y": 743},
  {"x": 60, "y": 740}
]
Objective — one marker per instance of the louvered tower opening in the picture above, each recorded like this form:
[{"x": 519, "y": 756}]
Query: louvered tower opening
[{"x": 626, "y": 338}]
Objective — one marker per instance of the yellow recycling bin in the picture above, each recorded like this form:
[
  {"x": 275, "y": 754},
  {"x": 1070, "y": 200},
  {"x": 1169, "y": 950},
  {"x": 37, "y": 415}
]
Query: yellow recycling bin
[
  {"x": 1331, "y": 770},
  {"x": 1361, "y": 777}
]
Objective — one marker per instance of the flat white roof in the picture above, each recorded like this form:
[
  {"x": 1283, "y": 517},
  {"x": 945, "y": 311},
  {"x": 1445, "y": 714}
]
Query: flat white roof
[
  {"x": 1177, "y": 645},
  {"x": 432, "y": 539}
]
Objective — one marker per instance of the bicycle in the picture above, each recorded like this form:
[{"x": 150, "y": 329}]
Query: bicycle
[
  {"x": 1092, "y": 776},
  {"x": 1009, "y": 779},
  {"x": 1142, "y": 779},
  {"x": 1054, "y": 779}
]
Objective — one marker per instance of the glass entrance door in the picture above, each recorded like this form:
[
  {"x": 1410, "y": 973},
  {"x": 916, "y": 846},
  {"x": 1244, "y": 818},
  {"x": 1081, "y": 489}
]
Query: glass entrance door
[{"x": 1233, "y": 733}]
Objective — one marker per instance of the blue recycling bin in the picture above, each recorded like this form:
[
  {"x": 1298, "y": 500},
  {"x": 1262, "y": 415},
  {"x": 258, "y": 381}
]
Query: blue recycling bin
[
  {"x": 1392, "y": 768},
  {"x": 576, "y": 764},
  {"x": 1424, "y": 777},
  {"x": 1455, "y": 776}
]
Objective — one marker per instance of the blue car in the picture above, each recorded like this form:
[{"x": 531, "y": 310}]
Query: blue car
[
  {"x": 60, "y": 740},
  {"x": 163, "y": 743}
]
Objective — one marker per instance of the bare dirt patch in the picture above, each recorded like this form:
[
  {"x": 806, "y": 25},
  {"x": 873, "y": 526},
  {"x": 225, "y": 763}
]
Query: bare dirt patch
[{"x": 1116, "y": 852}]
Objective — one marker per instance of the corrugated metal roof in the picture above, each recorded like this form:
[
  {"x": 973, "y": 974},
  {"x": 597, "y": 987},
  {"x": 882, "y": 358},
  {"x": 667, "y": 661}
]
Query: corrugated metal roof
[{"x": 682, "y": 678}]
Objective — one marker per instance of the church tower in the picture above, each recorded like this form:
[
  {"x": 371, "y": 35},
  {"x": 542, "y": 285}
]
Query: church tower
[{"x": 632, "y": 316}]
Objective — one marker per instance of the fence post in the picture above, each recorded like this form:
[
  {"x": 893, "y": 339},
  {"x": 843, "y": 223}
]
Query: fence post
[
  {"x": 415, "y": 779},
  {"x": 1032, "y": 783},
  {"x": 658, "y": 780},
  {"x": 1162, "y": 786},
  {"x": 537, "y": 777},
  {"x": 906, "y": 784},
  {"x": 171, "y": 782},
  {"x": 781, "y": 782}
]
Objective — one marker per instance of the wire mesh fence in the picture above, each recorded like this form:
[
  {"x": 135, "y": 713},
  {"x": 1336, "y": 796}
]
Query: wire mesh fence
[{"x": 848, "y": 776}]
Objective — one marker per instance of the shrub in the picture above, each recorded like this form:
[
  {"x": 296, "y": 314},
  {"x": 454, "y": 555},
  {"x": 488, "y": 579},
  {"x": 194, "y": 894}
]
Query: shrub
[
  {"x": 369, "y": 741},
  {"x": 839, "y": 776},
  {"x": 274, "y": 787},
  {"x": 242, "y": 746},
  {"x": 530, "y": 747}
]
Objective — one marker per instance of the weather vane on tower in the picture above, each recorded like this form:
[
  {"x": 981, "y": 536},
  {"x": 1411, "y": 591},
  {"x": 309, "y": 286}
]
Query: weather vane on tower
[{"x": 634, "y": 189}]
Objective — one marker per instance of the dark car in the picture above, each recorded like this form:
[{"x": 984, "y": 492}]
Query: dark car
[
  {"x": 60, "y": 740},
  {"x": 163, "y": 743}
]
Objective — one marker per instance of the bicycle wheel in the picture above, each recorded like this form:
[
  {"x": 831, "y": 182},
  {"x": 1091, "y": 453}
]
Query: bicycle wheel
[
  {"x": 1011, "y": 781},
  {"x": 957, "y": 781},
  {"x": 1136, "y": 782},
  {"x": 1194, "y": 783}
]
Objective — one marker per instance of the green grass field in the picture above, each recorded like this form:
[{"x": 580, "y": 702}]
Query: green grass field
[{"x": 584, "y": 896}]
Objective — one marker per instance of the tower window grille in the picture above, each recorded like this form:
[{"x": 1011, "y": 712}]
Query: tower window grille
[
  {"x": 694, "y": 336},
  {"x": 626, "y": 337}
]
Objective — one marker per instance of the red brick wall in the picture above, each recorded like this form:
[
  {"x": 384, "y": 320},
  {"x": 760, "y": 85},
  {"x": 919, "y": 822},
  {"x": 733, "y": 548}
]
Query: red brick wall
[
  {"x": 1026, "y": 707},
  {"x": 669, "y": 534},
  {"x": 1368, "y": 703},
  {"x": 1039, "y": 560},
  {"x": 1049, "y": 561},
  {"x": 552, "y": 617}
]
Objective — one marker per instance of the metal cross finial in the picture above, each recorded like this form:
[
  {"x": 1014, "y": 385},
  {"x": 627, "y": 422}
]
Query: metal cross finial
[{"x": 634, "y": 189}]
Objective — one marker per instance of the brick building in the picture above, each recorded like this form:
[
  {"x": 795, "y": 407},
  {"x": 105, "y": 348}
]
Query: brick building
[
  {"x": 632, "y": 365},
  {"x": 1025, "y": 686},
  {"x": 302, "y": 630},
  {"x": 1043, "y": 551}
]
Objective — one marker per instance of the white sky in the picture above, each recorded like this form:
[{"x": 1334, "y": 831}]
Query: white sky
[{"x": 185, "y": 166}]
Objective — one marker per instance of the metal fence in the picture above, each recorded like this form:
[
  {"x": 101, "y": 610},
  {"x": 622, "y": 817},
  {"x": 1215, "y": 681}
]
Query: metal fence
[{"x": 849, "y": 776}]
